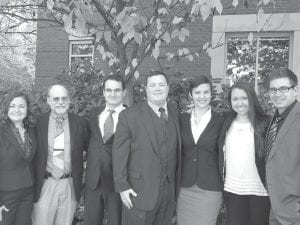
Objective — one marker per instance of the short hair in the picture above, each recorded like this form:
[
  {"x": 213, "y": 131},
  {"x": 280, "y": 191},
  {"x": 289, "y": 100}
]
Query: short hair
[
  {"x": 8, "y": 98},
  {"x": 195, "y": 82},
  {"x": 156, "y": 73},
  {"x": 115, "y": 77},
  {"x": 284, "y": 73},
  {"x": 56, "y": 85}
]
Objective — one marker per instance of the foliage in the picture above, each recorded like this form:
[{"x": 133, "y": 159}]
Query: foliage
[{"x": 85, "y": 86}]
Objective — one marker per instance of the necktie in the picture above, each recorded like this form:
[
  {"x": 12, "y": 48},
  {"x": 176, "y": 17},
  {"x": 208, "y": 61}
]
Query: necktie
[
  {"x": 271, "y": 135},
  {"x": 108, "y": 129},
  {"x": 58, "y": 150},
  {"x": 163, "y": 114}
]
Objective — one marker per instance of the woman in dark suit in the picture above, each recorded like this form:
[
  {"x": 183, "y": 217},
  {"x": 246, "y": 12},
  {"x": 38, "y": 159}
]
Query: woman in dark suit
[
  {"x": 200, "y": 195},
  {"x": 241, "y": 152},
  {"x": 17, "y": 148}
]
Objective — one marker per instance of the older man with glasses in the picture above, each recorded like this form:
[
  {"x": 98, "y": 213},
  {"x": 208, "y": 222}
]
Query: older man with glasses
[
  {"x": 282, "y": 149},
  {"x": 61, "y": 139}
]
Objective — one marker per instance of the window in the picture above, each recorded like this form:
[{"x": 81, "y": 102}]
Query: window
[
  {"x": 81, "y": 51},
  {"x": 253, "y": 60},
  {"x": 278, "y": 46}
]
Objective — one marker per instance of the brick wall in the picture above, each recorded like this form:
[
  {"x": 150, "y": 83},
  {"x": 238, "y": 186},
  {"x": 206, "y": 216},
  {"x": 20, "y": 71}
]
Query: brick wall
[{"x": 53, "y": 45}]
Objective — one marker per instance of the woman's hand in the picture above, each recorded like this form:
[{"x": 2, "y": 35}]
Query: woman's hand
[{"x": 3, "y": 208}]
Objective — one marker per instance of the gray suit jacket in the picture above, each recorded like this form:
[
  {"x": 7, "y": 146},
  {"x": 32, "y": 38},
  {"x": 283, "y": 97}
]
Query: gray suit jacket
[
  {"x": 136, "y": 161},
  {"x": 283, "y": 170}
]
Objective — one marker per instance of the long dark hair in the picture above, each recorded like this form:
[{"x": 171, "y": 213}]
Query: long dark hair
[
  {"x": 256, "y": 114},
  {"x": 5, "y": 104}
]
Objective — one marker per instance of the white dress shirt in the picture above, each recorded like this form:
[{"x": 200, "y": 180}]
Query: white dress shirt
[
  {"x": 155, "y": 108},
  {"x": 198, "y": 128},
  {"x": 105, "y": 113}
]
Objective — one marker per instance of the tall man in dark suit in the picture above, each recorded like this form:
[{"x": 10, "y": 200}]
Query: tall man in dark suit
[
  {"x": 146, "y": 156},
  {"x": 283, "y": 149},
  {"x": 99, "y": 192},
  {"x": 61, "y": 139}
]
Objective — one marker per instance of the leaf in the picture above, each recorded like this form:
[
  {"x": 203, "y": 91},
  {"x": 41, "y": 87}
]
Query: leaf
[
  {"x": 181, "y": 36},
  {"x": 205, "y": 10},
  {"x": 166, "y": 37},
  {"x": 50, "y": 4},
  {"x": 250, "y": 37},
  {"x": 205, "y": 46},
  {"x": 68, "y": 21},
  {"x": 235, "y": 3},
  {"x": 190, "y": 57},
  {"x": 177, "y": 20},
  {"x": 266, "y": 2},
  {"x": 169, "y": 56},
  {"x": 185, "y": 31},
  {"x": 98, "y": 35},
  {"x": 187, "y": 2},
  {"x": 138, "y": 38},
  {"x": 174, "y": 33},
  {"x": 218, "y": 5},
  {"x": 134, "y": 62},
  {"x": 107, "y": 36},
  {"x": 180, "y": 52},
  {"x": 156, "y": 50},
  {"x": 136, "y": 74},
  {"x": 127, "y": 71},
  {"x": 185, "y": 51},
  {"x": 168, "y": 2},
  {"x": 4, "y": 2},
  {"x": 162, "y": 11}
]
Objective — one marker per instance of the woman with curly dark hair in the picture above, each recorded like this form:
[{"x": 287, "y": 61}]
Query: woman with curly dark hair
[{"x": 17, "y": 148}]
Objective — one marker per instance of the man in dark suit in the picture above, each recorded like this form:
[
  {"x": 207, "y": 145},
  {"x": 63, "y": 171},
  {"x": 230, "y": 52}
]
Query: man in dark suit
[
  {"x": 283, "y": 149},
  {"x": 99, "y": 190},
  {"x": 146, "y": 156},
  {"x": 61, "y": 139}
]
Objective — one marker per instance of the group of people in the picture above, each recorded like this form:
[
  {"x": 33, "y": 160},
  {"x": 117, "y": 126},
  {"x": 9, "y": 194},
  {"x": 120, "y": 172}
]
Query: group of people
[{"x": 148, "y": 162}]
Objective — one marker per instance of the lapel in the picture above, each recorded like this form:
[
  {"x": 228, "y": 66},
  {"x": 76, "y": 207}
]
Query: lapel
[
  {"x": 173, "y": 114},
  {"x": 148, "y": 124},
  {"x": 210, "y": 124},
  {"x": 13, "y": 140},
  {"x": 95, "y": 123},
  {"x": 295, "y": 112},
  {"x": 44, "y": 125},
  {"x": 73, "y": 129}
]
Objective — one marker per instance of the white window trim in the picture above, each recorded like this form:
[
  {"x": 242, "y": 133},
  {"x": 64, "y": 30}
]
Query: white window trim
[
  {"x": 281, "y": 22},
  {"x": 79, "y": 40}
]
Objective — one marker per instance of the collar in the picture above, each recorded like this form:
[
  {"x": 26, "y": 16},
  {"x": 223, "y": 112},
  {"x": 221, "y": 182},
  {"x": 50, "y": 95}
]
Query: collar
[
  {"x": 117, "y": 110},
  {"x": 55, "y": 116},
  {"x": 155, "y": 108},
  {"x": 286, "y": 111}
]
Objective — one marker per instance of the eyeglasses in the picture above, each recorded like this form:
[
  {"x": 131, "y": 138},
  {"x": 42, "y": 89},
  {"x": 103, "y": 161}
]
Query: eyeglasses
[
  {"x": 110, "y": 91},
  {"x": 62, "y": 99},
  {"x": 282, "y": 90}
]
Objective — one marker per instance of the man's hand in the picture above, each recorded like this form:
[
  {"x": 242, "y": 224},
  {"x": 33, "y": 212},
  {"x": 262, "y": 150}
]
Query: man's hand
[
  {"x": 125, "y": 196},
  {"x": 3, "y": 208}
]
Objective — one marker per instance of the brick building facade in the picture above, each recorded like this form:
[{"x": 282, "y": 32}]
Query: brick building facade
[{"x": 53, "y": 43}]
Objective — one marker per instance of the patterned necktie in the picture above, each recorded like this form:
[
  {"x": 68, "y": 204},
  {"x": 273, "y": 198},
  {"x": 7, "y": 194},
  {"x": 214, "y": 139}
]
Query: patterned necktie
[
  {"x": 271, "y": 135},
  {"x": 58, "y": 150},
  {"x": 163, "y": 114},
  {"x": 108, "y": 129}
]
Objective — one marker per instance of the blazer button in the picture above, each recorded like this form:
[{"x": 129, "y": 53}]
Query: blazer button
[{"x": 195, "y": 160}]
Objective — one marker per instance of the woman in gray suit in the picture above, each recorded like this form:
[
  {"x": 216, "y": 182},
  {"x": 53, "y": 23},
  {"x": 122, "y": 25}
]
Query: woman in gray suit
[{"x": 17, "y": 148}]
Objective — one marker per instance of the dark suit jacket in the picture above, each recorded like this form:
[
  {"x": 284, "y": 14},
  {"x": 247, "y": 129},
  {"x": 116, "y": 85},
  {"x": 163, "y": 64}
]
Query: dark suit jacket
[
  {"x": 283, "y": 170},
  {"x": 99, "y": 158},
  {"x": 200, "y": 160},
  {"x": 16, "y": 172},
  {"x": 79, "y": 138},
  {"x": 136, "y": 161},
  {"x": 258, "y": 143}
]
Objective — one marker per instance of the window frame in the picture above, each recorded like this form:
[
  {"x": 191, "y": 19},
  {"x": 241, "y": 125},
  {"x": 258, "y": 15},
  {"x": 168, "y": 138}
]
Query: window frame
[
  {"x": 259, "y": 36},
  {"x": 86, "y": 40},
  {"x": 224, "y": 24}
]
